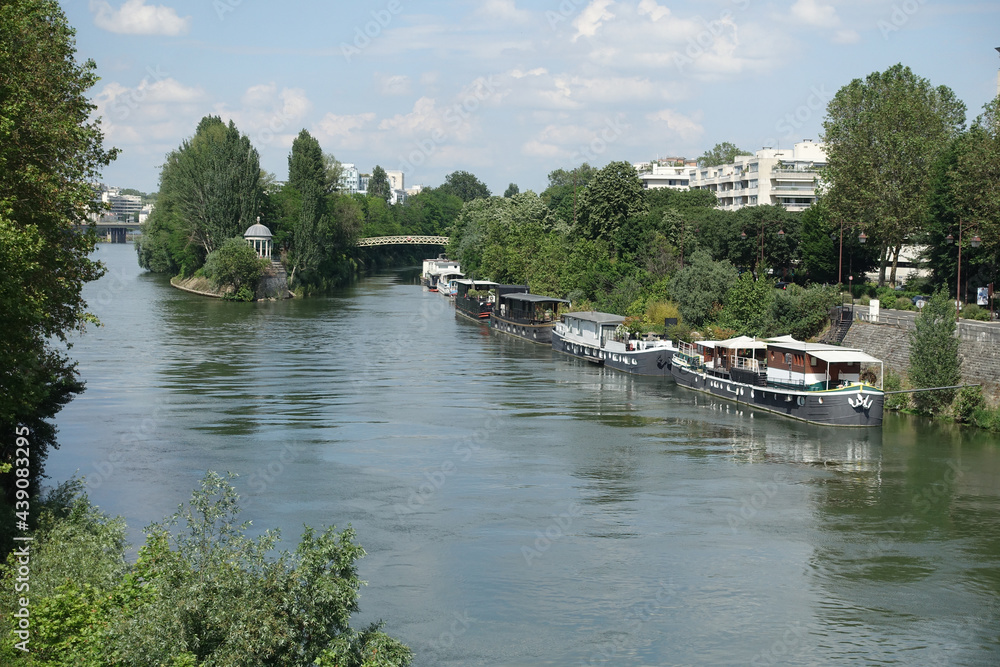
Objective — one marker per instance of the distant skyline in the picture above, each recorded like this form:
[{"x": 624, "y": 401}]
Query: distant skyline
[{"x": 508, "y": 90}]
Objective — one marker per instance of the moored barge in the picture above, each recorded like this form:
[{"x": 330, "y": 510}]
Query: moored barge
[
  {"x": 601, "y": 339},
  {"x": 528, "y": 316},
  {"x": 812, "y": 382}
]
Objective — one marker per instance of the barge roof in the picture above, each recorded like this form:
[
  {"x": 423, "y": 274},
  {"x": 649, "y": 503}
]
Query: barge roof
[
  {"x": 595, "y": 316},
  {"x": 532, "y": 298}
]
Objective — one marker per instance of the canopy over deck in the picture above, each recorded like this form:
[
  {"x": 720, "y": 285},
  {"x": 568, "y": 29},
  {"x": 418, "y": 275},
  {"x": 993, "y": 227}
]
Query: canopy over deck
[{"x": 595, "y": 316}]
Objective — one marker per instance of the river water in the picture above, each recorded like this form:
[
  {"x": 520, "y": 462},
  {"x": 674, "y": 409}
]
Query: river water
[{"x": 519, "y": 507}]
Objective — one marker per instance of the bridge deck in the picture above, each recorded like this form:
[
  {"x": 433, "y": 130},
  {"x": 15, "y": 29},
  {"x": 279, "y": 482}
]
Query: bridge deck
[{"x": 403, "y": 240}]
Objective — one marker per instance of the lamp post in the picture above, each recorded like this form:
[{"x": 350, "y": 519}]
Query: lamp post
[{"x": 976, "y": 241}]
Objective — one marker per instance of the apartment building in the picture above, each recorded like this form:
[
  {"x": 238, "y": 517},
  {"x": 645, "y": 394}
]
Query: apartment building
[{"x": 786, "y": 177}]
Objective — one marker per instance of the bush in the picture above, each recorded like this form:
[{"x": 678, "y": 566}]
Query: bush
[
  {"x": 903, "y": 303},
  {"x": 234, "y": 265},
  {"x": 934, "y": 359},
  {"x": 973, "y": 312},
  {"x": 658, "y": 311},
  {"x": 969, "y": 401},
  {"x": 894, "y": 383}
]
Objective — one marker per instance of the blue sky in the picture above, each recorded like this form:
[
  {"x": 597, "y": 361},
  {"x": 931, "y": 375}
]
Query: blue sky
[{"x": 506, "y": 89}]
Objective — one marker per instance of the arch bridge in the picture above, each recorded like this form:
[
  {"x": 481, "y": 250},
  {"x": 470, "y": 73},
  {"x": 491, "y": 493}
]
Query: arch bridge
[{"x": 402, "y": 240}]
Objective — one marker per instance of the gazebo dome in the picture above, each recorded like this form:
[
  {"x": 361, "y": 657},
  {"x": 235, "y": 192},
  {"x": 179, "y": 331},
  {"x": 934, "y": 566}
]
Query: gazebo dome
[{"x": 257, "y": 231}]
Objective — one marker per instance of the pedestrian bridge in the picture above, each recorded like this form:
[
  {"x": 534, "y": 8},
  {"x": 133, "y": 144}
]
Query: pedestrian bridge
[{"x": 402, "y": 240}]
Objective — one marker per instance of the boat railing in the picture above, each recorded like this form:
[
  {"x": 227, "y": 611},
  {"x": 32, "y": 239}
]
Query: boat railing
[{"x": 748, "y": 364}]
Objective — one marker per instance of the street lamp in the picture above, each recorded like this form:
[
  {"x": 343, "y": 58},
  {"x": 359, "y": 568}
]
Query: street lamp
[{"x": 975, "y": 243}]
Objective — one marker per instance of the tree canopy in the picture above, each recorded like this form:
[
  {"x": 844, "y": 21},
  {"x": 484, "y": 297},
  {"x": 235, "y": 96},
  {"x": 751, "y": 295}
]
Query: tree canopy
[
  {"x": 465, "y": 186},
  {"x": 882, "y": 136},
  {"x": 613, "y": 195},
  {"x": 378, "y": 184},
  {"x": 50, "y": 153},
  {"x": 722, "y": 153}
]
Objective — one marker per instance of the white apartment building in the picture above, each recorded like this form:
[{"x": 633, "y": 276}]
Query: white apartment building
[
  {"x": 350, "y": 179},
  {"x": 785, "y": 177}
]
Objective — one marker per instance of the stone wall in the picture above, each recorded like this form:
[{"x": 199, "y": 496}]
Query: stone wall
[
  {"x": 274, "y": 283},
  {"x": 977, "y": 347}
]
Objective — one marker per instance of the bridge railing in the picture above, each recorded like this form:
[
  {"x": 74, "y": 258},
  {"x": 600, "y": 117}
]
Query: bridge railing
[{"x": 402, "y": 240}]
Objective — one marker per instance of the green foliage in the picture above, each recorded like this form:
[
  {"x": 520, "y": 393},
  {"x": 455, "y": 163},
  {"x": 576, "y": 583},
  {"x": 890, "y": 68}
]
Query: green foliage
[
  {"x": 614, "y": 195},
  {"x": 210, "y": 190},
  {"x": 893, "y": 382},
  {"x": 235, "y": 265},
  {"x": 903, "y": 303},
  {"x": 968, "y": 402},
  {"x": 934, "y": 359},
  {"x": 748, "y": 306},
  {"x": 803, "y": 312},
  {"x": 972, "y": 311},
  {"x": 378, "y": 185},
  {"x": 511, "y": 190},
  {"x": 307, "y": 169},
  {"x": 200, "y": 593},
  {"x": 465, "y": 186},
  {"x": 701, "y": 286},
  {"x": 50, "y": 152},
  {"x": 723, "y": 153},
  {"x": 882, "y": 135}
]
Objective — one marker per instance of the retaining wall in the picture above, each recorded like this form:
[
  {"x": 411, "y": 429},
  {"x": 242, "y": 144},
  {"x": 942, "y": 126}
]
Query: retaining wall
[{"x": 977, "y": 347}]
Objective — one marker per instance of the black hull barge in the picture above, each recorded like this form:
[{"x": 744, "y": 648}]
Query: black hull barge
[
  {"x": 599, "y": 338},
  {"x": 811, "y": 382},
  {"x": 528, "y": 316}
]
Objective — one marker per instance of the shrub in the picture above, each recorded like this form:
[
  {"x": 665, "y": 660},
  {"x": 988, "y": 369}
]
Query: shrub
[
  {"x": 903, "y": 303},
  {"x": 234, "y": 265},
  {"x": 658, "y": 311},
  {"x": 934, "y": 360},
  {"x": 969, "y": 401},
  {"x": 894, "y": 383},
  {"x": 973, "y": 312}
]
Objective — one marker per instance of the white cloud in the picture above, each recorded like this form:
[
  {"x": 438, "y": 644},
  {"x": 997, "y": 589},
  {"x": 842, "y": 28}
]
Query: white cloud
[
  {"x": 268, "y": 115},
  {"x": 503, "y": 10},
  {"x": 687, "y": 128},
  {"x": 846, "y": 37},
  {"x": 651, "y": 8},
  {"x": 135, "y": 17},
  {"x": 592, "y": 18},
  {"x": 333, "y": 126},
  {"x": 814, "y": 13},
  {"x": 393, "y": 84}
]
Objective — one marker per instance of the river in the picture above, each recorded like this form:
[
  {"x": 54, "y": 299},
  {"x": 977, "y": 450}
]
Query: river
[{"x": 519, "y": 507}]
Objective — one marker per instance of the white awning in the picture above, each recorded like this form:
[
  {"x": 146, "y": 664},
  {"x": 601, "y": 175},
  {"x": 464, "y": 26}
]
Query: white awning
[{"x": 843, "y": 356}]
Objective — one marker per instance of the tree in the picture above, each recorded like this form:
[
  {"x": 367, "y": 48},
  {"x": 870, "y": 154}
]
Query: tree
[
  {"x": 614, "y": 195},
  {"x": 235, "y": 265},
  {"x": 882, "y": 135},
  {"x": 307, "y": 166},
  {"x": 701, "y": 286},
  {"x": 511, "y": 190},
  {"x": 201, "y": 592},
  {"x": 723, "y": 153},
  {"x": 334, "y": 171},
  {"x": 934, "y": 358},
  {"x": 748, "y": 305},
  {"x": 210, "y": 191},
  {"x": 378, "y": 184},
  {"x": 50, "y": 153},
  {"x": 465, "y": 186}
]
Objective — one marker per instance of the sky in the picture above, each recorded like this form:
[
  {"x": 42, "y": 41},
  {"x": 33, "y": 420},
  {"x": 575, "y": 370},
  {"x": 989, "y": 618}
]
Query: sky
[{"x": 509, "y": 90}]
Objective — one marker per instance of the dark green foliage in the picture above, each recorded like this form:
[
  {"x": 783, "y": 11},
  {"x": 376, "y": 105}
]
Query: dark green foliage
[
  {"x": 511, "y": 190},
  {"x": 50, "y": 153},
  {"x": 748, "y": 306},
  {"x": 200, "y": 593},
  {"x": 723, "y": 153},
  {"x": 893, "y": 382},
  {"x": 701, "y": 287},
  {"x": 465, "y": 186},
  {"x": 236, "y": 266},
  {"x": 973, "y": 312},
  {"x": 820, "y": 245},
  {"x": 613, "y": 196},
  {"x": 378, "y": 184},
  {"x": 883, "y": 134},
  {"x": 210, "y": 190},
  {"x": 801, "y": 312},
  {"x": 968, "y": 402},
  {"x": 934, "y": 359}
]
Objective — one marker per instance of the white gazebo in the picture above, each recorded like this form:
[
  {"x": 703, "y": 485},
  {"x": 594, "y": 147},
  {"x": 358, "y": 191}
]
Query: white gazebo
[{"x": 259, "y": 238}]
